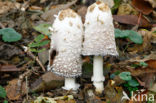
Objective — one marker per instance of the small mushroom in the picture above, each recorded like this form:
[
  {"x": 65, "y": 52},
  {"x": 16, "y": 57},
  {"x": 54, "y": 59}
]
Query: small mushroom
[
  {"x": 65, "y": 51},
  {"x": 99, "y": 39}
]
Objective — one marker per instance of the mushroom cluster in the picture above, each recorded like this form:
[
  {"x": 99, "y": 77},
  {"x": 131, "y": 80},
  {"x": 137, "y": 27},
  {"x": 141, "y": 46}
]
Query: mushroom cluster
[
  {"x": 65, "y": 52},
  {"x": 67, "y": 45}
]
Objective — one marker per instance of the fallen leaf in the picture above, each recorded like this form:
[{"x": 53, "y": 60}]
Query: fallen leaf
[
  {"x": 12, "y": 92},
  {"x": 150, "y": 60},
  {"x": 153, "y": 35},
  {"x": 126, "y": 9},
  {"x": 113, "y": 94},
  {"x": 49, "y": 15},
  {"x": 9, "y": 68},
  {"x": 7, "y": 6},
  {"x": 148, "y": 79},
  {"x": 151, "y": 56},
  {"x": 60, "y": 99},
  {"x": 7, "y": 51},
  {"x": 151, "y": 64},
  {"x": 35, "y": 8},
  {"x": 153, "y": 88},
  {"x": 47, "y": 81},
  {"x": 126, "y": 65},
  {"x": 43, "y": 56},
  {"x": 142, "y": 6},
  {"x": 132, "y": 20}
]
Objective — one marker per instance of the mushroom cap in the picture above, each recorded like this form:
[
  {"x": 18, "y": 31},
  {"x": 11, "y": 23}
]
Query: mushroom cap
[
  {"x": 66, "y": 41},
  {"x": 99, "y": 38}
]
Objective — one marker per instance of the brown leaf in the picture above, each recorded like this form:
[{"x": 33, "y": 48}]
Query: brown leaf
[
  {"x": 153, "y": 87},
  {"x": 49, "y": 15},
  {"x": 113, "y": 93},
  {"x": 132, "y": 20},
  {"x": 141, "y": 71},
  {"x": 151, "y": 68},
  {"x": 9, "y": 68},
  {"x": 151, "y": 56},
  {"x": 126, "y": 9},
  {"x": 8, "y": 6},
  {"x": 12, "y": 92},
  {"x": 142, "y": 6},
  {"x": 148, "y": 79},
  {"x": 151, "y": 64},
  {"x": 35, "y": 8},
  {"x": 47, "y": 81},
  {"x": 7, "y": 51},
  {"x": 125, "y": 65},
  {"x": 153, "y": 35}
]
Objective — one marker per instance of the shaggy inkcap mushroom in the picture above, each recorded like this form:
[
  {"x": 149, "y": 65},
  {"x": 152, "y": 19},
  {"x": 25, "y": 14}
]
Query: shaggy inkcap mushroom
[
  {"x": 99, "y": 39},
  {"x": 66, "y": 41}
]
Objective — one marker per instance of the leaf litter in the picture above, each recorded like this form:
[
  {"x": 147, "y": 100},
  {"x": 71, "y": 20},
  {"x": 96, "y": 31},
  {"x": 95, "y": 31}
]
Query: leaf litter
[{"x": 19, "y": 69}]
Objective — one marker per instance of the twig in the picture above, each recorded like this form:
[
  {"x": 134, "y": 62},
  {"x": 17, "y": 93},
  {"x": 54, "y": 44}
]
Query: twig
[
  {"x": 27, "y": 88},
  {"x": 34, "y": 57},
  {"x": 21, "y": 78}
]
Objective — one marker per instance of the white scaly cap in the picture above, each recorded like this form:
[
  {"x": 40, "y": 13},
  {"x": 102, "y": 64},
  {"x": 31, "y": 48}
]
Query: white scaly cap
[
  {"x": 99, "y": 36},
  {"x": 66, "y": 42}
]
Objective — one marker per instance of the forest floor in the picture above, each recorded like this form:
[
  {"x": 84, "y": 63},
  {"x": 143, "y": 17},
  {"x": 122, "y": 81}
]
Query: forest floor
[{"x": 25, "y": 42}]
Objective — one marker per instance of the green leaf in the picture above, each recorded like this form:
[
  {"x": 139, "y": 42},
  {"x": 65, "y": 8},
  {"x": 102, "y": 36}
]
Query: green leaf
[
  {"x": 43, "y": 28},
  {"x": 39, "y": 44},
  {"x": 34, "y": 45},
  {"x": 33, "y": 50},
  {"x": 120, "y": 34},
  {"x": 5, "y": 101},
  {"x": 143, "y": 64},
  {"x": 133, "y": 83},
  {"x": 39, "y": 38},
  {"x": 115, "y": 7},
  {"x": 37, "y": 51},
  {"x": 45, "y": 42},
  {"x": 10, "y": 35},
  {"x": 135, "y": 37},
  {"x": 125, "y": 76},
  {"x": 117, "y": 72},
  {"x": 135, "y": 65},
  {"x": 41, "y": 50},
  {"x": 130, "y": 34},
  {"x": 114, "y": 74},
  {"x": 154, "y": 32},
  {"x": 2, "y": 92}
]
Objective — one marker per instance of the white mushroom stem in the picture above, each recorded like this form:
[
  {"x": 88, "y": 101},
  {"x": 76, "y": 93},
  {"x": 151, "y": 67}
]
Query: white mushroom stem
[
  {"x": 98, "y": 77},
  {"x": 70, "y": 83}
]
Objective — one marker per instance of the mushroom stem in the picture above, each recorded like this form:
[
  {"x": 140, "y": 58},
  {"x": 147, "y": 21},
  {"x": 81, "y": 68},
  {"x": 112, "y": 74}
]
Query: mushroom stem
[
  {"x": 70, "y": 83},
  {"x": 98, "y": 76}
]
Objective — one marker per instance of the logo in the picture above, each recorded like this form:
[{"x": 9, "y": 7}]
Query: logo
[{"x": 139, "y": 96}]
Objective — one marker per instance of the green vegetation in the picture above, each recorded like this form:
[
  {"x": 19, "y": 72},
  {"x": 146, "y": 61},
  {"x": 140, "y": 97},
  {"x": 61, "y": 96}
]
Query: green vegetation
[
  {"x": 130, "y": 34},
  {"x": 43, "y": 28},
  {"x": 10, "y": 35},
  {"x": 3, "y": 94},
  {"x": 38, "y": 42},
  {"x": 116, "y": 5}
]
